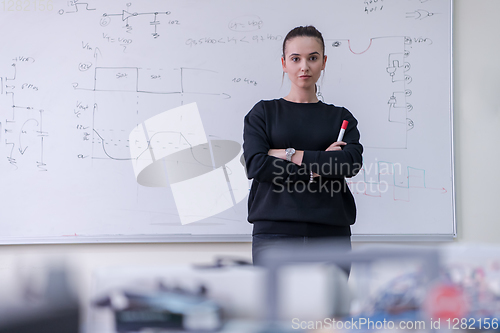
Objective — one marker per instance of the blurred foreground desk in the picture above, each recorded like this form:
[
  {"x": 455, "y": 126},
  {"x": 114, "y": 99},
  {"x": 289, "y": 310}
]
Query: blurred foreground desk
[
  {"x": 399, "y": 285},
  {"x": 239, "y": 290}
]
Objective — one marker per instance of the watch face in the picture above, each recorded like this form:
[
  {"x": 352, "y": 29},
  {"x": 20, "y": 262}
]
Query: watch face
[{"x": 289, "y": 152}]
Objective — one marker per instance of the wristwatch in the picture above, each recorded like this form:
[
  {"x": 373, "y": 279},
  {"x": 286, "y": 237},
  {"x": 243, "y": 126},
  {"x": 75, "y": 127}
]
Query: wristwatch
[{"x": 289, "y": 153}]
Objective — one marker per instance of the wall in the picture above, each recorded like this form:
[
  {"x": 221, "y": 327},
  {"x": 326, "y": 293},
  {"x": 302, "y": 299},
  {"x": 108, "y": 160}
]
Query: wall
[
  {"x": 476, "y": 123},
  {"x": 477, "y": 118}
]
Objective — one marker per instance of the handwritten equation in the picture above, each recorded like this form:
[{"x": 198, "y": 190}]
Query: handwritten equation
[{"x": 233, "y": 40}]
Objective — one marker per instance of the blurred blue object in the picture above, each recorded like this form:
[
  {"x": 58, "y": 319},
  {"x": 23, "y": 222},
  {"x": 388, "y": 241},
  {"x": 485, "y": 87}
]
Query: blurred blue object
[{"x": 164, "y": 309}]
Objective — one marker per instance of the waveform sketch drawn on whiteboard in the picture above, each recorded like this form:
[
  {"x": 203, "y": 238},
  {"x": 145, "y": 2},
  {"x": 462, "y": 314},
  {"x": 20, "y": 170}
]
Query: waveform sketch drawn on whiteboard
[
  {"x": 206, "y": 177},
  {"x": 119, "y": 91},
  {"x": 391, "y": 179},
  {"x": 73, "y": 6}
]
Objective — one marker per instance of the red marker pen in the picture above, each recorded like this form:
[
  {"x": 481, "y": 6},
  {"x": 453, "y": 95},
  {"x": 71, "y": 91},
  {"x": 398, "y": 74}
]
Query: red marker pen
[{"x": 342, "y": 130}]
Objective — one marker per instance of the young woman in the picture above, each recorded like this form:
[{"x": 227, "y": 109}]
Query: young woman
[{"x": 299, "y": 190}]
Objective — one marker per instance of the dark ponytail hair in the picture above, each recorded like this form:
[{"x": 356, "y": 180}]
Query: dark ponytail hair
[{"x": 307, "y": 31}]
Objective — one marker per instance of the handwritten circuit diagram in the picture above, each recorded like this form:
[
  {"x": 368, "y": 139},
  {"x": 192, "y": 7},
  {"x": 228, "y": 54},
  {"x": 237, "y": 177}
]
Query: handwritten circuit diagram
[
  {"x": 384, "y": 65},
  {"x": 22, "y": 122},
  {"x": 127, "y": 15}
]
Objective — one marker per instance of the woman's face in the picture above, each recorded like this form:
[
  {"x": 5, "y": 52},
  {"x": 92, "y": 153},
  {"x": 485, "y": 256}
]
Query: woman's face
[{"x": 303, "y": 61}]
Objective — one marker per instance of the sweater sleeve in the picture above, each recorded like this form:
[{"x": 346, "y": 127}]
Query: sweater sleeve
[
  {"x": 259, "y": 165},
  {"x": 335, "y": 164}
]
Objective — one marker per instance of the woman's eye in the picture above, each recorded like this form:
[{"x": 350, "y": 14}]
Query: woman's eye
[
  {"x": 295, "y": 59},
  {"x": 314, "y": 58}
]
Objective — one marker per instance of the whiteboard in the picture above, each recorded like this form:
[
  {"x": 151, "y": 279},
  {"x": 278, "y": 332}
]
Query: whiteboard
[{"x": 122, "y": 121}]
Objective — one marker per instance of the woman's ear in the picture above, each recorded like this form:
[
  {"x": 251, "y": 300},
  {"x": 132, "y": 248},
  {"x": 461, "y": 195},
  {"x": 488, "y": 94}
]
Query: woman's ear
[
  {"x": 324, "y": 62},
  {"x": 283, "y": 64}
]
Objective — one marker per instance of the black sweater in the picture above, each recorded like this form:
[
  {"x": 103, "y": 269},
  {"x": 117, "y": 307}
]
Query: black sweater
[{"x": 281, "y": 199}]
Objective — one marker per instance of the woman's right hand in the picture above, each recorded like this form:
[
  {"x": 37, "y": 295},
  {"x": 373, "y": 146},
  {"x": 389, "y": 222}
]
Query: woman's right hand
[
  {"x": 333, "y": 147},
  {"x": 336, "y": 146}
]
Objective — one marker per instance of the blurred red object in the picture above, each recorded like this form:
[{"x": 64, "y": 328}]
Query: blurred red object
[{"x": 446, "y": 301}]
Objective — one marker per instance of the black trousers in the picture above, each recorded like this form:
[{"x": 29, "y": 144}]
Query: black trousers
[{"x": 264, "y": 242}]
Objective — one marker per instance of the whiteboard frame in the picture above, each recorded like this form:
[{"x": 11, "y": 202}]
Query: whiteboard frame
[
  {"x": 453, "y": 197},
  {"x": 167, "y": 239},
  {"x": 238, "y": 238}
]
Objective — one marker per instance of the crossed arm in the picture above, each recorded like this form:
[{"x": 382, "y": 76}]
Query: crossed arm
[{"x": 299, "y": 154}]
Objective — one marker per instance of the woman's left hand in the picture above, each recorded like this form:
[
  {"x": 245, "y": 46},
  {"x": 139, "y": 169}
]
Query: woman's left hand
[{"x": 281, "y": 153}]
